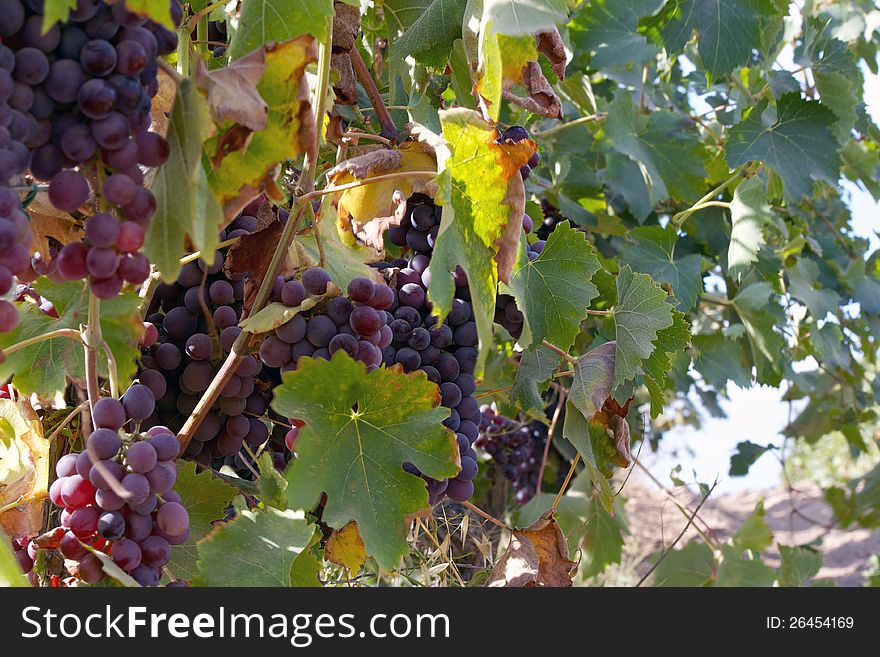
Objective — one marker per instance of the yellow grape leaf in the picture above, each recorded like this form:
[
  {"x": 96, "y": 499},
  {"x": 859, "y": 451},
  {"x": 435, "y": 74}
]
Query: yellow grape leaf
[
  {"x": 24, "y": 468},
  {"x": 290, "y": 127},
  {"x": 375, "y": 200},
  {"x": 346, "y": 548}
]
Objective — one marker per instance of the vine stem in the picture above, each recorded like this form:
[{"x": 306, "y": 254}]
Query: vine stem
[
  {"x": 556, "y": 414},
  {"x": 240, "y": 346},
  {"x": 367, "y": 181},
  {"x": 712, "y": 298},
  {"x": 679, "y": 219},
  {"x": 562, "y": 352},
  {"x": 67, "y": 420},
  {"x": 506, "y": 388},
  {"x": 195, "y": 255},
  {"x": 598, "y": 116},
  {"x": 571, "y": 471},
  {"x": 92, "y": 339},
  {"x": 203, "y": 13},
  {"x": 73, "y": 334},
  {"x": 368, "y": 136},
  {"x": 389, "y": 130},
  {"x": 677, "y": 538},
  {"x": 485, "y": 515},
  {"x": 681, "y": 507},
  {"x": 170, "y": 70}
]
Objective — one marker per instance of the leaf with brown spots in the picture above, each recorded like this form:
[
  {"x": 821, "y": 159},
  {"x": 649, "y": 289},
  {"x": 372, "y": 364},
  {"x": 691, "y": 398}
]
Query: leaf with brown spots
[
  {"x": 537, "y": 556},
  {"x": 232, "y": 91}
]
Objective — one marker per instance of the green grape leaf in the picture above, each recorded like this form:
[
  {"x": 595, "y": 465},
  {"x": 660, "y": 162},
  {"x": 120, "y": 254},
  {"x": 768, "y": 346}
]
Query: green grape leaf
[
  {"x": 653, "y": 252},
  {"x": 753, "y": 534},
  {"x": 257, "y": 548},
  {"x": 728, "y": 30},
  {"x": 10, "y": 572},
  {"x": 290, "y": 125},
  {"x": 690, "y": 566},
  {"x": 359, "y": 430},
  {"x": 800, "y": 146},
  {"x": 804, "y": 286},
  {"x": 734, "y": 571},
  {"x": 746, "y": 454},
  {"x": 205, "y": 497},
  {"x": 275, "y": 314},
  {"x": 263, "y": 21},
  {"x": 271, "y": 484},
  {"x": 799, "y": 565},
  {"x": 582, "y": 434},
  {"x": 533, "y": 374},
  {"x": 626, "y": 178},
  {"x": 718, "y": 359},
  {"x": 185, "y": 205},
  {"x": 609, "y": 29},
  {"x": 593, "y": 376},
  {"x": 836, "y": 74},
  {"x": 757, "y": 309},
  {"x": 665, "y": 147},
  {"x": 749, "y": 213},
  {"x": 46, "y": 367},
  {"x": 57, "y": 10},
  {"x": 482, "y": 194},
  {"x": 865, "y": 289},
  {"x": 829, "y": 346},
  {"x": 554, "y": 291},
  {"x": 516, "y": 17},
  {"x": 603, "y": 539},
  {"x": 430, "y": 36},
  {"x": 670, "y": 342},
  {"x": 641, "y": 311}
]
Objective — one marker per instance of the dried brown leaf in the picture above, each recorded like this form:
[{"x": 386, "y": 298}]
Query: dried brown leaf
[
  {"x": 375, "y": 162},
  {"x": 253, "y": 253},
  {"x": 163, "y": 101},
  {"x": 49, "y": 224},
  {"x": 346, "y": 548},
  {"x": 542, "y": 100},
  {"x": 345, "y": 87},
  {"x": 232, "y": 91},
  {"x": 346, "y": 25},
  {"x": 537, "y": 556},
  {"x": 550, "y": 43},
  {"x": 508, "y": 244},
  {"x": 33, "y": 449}
]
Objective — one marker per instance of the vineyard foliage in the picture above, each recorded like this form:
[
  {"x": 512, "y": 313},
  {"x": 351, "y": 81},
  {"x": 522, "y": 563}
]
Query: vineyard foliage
[{"x": 471, "y": 256}]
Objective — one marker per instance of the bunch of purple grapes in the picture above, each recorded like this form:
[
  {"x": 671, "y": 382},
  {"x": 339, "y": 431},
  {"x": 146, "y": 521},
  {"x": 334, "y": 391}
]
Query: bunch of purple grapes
[
  {"x": 80, "y": 102},
  {"x": 15, "y": 241},
  {"x": 117, "y": 495},
  {"x": 191, "y": 329},
  {"x": 513, "y": 135},
  {"x": 506, "y": 311},
  {"x": 516, "y": 448},
  {"x": 419, "y": 228}
]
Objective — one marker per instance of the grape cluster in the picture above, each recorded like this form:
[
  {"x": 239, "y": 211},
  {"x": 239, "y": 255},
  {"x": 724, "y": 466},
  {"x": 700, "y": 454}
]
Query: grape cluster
[
  {"x": 513, "y": 135},
  {"x": 515, "y": 447},
  {"x": 419, "y": 228},
  {"x": 217, "y": 38},
  {"x": 191, "y": 329},
  {"x": 25, "y": 551},
  {"x": 507, "y": 314},
  {"x": 80, "y": 102},
  {"x": 117, "y": 496}
]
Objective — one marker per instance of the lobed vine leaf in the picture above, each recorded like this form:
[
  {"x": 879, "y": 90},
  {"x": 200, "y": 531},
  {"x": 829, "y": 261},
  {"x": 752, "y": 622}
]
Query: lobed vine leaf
[
  {"x": 262, "y": 22},
  {"x": 45, "y": 368},
  {"x": 799, "y": 146},
  {"x": 257, "y": 548},
  {"x": 749, "y": 213},
  {"x": 653, "y": 251},
  {"x": 554, "y": 291},
  {"x": 360, "y": 429},
  {"x": 640, "y": 312},
  {"x": 536, "y": 367}
]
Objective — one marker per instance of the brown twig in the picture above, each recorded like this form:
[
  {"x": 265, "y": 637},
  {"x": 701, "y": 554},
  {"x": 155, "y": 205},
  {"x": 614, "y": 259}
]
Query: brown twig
[
  {"x": 677, "y": 538},
  {"x": 485, "y": 515},
  {"x": 556, "y": 413},
  {"x": 389, "y": 130}
]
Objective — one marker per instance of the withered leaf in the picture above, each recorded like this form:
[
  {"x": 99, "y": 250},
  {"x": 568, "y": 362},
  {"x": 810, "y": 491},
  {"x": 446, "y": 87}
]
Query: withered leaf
[
  {"x": 542, "y": 100},
  {"x": 550, "y": 43},
  {"x": 253, "y": 253},
  {"x": 232, "y": 91},
  {"x": 345, "y": 87},
  {"x": 372, "y": 233},
  {"x": 346, "y": 25},
  {"x": 47, "y": 224},
  {"x": 375, "y": 162},
  {"x": 537, "y": 556},
  {"x": 345, "y": 547}
]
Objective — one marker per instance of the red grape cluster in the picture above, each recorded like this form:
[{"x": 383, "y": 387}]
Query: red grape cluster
[
  {"x": 192, "y": 327},
  {"x": 117, "y": 496},
  {"x": 506, "y": 311},
  {"x": 80, "y": 102},
  {"x": 515, "y": 447},
  {"x": 419, "y": 229}
]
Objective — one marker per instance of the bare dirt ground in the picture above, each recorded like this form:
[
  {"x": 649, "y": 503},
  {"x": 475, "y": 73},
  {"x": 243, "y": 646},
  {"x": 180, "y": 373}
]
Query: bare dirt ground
[{"x": 802, "y": 518}]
